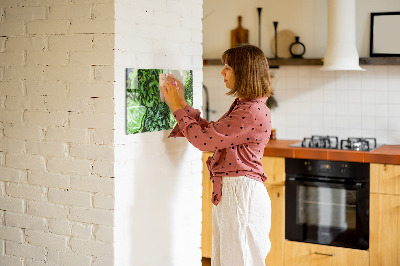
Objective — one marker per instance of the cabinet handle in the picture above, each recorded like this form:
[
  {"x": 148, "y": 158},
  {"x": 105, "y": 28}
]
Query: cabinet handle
[{"x": 324, "y": 254}]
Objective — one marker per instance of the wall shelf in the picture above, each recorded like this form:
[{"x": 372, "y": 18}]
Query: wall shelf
[{"x": 274, "y": 63}]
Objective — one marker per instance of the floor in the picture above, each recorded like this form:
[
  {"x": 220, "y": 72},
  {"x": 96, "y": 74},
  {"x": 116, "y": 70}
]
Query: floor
[{"x": 206, "y": 261}]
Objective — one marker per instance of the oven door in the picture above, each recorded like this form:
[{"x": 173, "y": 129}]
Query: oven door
[{"x": 327, "y": 213}]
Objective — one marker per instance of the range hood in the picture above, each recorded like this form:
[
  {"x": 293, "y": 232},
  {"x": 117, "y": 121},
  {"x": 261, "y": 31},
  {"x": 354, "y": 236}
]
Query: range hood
[{"x": 341, "y": 51}]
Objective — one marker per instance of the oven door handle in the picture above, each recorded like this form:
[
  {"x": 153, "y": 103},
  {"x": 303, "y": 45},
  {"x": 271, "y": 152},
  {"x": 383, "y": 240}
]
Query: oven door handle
[{"x": 357, "y": 185}]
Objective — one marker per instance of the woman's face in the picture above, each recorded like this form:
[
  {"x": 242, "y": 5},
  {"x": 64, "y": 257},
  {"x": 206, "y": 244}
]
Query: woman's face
[{"x": 229, "y": 76}]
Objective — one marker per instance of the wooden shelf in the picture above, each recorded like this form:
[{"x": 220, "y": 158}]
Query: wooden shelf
[{"x": 274, "y": 63}]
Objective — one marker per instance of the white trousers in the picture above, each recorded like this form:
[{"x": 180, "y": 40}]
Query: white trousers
[{"x": 241, "y": 223}]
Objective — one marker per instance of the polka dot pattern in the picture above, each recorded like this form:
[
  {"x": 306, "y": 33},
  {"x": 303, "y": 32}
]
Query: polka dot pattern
[{"x": 238, "y": 139}]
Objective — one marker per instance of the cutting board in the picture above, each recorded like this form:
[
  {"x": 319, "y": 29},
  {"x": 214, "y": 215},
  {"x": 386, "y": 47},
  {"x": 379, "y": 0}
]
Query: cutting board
[{"x": 239, "y": 35}]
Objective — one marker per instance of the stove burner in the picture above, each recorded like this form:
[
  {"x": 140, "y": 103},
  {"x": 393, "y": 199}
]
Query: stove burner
[
  {"x": 332, "y": 142},
  {"x": 358, "y": 144},
  {"x": 328, "y": 142}
]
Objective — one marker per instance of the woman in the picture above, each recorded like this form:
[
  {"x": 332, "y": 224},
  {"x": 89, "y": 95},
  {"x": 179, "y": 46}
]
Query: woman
[{"x": 242, "y": 208}]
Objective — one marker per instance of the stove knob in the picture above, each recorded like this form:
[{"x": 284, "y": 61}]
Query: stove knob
[{"x": 343, "y": 168}]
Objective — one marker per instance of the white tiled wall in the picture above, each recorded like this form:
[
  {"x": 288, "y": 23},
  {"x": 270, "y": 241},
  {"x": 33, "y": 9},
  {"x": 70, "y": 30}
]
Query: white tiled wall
[{"x": 312, "y": 102}]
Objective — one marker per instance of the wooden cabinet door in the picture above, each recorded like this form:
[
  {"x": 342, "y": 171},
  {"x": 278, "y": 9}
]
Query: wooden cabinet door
[
  {"x": 206, "y": 226},
  {"x": 385, "y": 178},
  {"x": 304, "y": 254},
  {"x": 384, "y": 236},
  {"x": 277, "y": 233},
  {"x": 274, "y": 168}
]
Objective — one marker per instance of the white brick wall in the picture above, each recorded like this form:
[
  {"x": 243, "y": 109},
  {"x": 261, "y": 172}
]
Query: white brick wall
[
  {"x": 153, "y": 174},
  {"x": 56, "y": 132}
]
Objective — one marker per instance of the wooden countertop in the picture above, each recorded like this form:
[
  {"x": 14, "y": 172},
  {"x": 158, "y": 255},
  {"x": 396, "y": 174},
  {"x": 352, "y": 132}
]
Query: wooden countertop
[{"x": 389, "y": 154}]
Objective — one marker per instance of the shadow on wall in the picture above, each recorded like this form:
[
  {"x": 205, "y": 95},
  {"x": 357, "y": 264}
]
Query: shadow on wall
[{"x": 156, "y": 177}]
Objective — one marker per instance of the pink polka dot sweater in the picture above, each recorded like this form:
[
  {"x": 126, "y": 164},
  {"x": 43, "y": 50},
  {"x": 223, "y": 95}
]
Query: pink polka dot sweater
[{"x": 238, "y": 139}]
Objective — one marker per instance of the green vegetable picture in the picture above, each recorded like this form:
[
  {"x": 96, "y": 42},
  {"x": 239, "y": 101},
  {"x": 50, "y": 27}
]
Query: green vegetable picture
[{"x": 145, "y": 109}]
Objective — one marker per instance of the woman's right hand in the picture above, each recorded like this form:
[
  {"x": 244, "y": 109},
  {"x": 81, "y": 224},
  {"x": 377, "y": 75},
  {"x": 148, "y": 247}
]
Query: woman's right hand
[{"x": 181, "y": 91}]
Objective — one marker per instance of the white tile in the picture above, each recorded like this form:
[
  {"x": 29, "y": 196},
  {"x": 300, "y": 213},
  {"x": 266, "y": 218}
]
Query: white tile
[
  {"x": 355, "y": 122},
  {"x": 355, "y": 109},
  {"x": 367, "y": 96},
  {"x": 355, "y": 96},
  {"x": 394, "y": 123},
  {"x": 355, "y": 132},
  {"x": 367, "y": 110},
  {"x": 394, "y": 97},
  {"x": 381, "y": 110},
  {"x": 381, "y": 84},
  {"x": 329, "y": 109},
  {"x": 382, "y": 136},
  {"x": 394, "y": 137},
  {"x": 381, "y": 97},
  {"x": 394, "y": 70},
  {"x": 291, "y": 71},
  {"x": 381, "y": 123},
  {"x": 368, "y": 122},
  {"x": 394, "y": 110},
  {"x": 342, "y": 109},
  {"x": 342, "y": 122},
  {"x": 381, "y": 71},
  {"x": 394, "y": 83},
  {"x": 292, "y": 83}
]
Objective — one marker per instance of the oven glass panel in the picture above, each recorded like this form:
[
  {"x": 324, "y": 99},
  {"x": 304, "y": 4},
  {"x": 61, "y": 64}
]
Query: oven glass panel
[{"x": 326, "y": 207}]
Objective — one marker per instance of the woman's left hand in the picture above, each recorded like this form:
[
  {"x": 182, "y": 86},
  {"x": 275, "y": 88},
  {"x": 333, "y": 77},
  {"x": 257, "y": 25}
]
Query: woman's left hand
[{"x": 171, "y": 96}]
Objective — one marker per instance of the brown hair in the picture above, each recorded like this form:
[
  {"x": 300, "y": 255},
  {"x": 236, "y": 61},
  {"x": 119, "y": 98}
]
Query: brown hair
[{"x": 250, "y": 66}]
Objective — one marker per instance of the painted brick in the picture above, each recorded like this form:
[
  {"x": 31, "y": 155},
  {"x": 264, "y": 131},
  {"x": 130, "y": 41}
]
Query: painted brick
[
  {"x": 12, "y": 204},
  {"x": 91, "y": 247},
  {"x": 25, "y": 161},
  {"x": 12, "y": 145},
  {"x": 46, "y": 88},
  {"x": 91, "y": 26},
  {"x": 99, "y": 120},
  {"x": 60, "y": 227},
  {"x": 44, "y": 27},
  {"x": 74, "y": 135},
  {"x": 25, "y": 191},
  {"x": 11, "y": 88},
  {"x": 24, "y": 132},
  {"x": 11, "y": 59},
  {"x": 56, "y": 103},
  {"x": 12, "y": 234},
  {"x": 46, "y": 240},
  {"x": 24, "y": 73},
  {"x": 103, "y": 11},
  {"x": 103, "y": 202},
  {"x": 48, "y": 179},
  {"x": 25, "y": 250},
  {"x": 11, "y": 29},
  {"x": 95, "y": 216},
  {"x": 82, "y": 230},
  {"x": 24, "y": 13},
  {"x": 101, "y": 136},
  {"x": 69, "y": 197},
  {"x": 21, "y": 43},
  {"x": 11, "y": 116},
  {"x": 93, "y": 184},
  {"x": 25, "y": 103},
  {"x": 11, "y": 260},
  {"x": 25, "y": 221},
  {"x": 105, "y": 260},
  {"x": 71, "y": 42},
  {"x": 104, "y": 73},
  {"x": 103, "y": 41},
  {"x": 46, "y": 58},
  {"x": 45, "y": 2},
  {"x": 91, "y": 89},
  {"x": 56, "y": 149},
  {"x": 97, "y": 105},
  {"x": 46, "y": 118},
  {"x": 92, "y": 151},
  {"x": 104, "y": 169},
  {"x": 92, "y": 58},
  {"x": 69, "y": 12},
  {"x": 2, "y": 214},
  {"x": 2, "y": 158},
  {"x": 70, "y": 166},
  {"x": 81, "y": 73},
  {"x": 68, "y": 258},
  {"x": 46, "y": 209},
  {"x": 104, "y": 233}
]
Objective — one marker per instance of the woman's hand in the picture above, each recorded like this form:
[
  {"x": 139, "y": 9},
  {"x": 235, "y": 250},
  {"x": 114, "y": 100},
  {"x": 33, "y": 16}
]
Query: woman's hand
[
  {"x": 173, "y": 94},
  {"x": 181, "y": 90}
]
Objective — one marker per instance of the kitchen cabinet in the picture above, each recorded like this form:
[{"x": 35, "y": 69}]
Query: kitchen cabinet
[
  {"x": 385, "y": 214},
  {"x": 206, "y": 226},
  {"x": 274, "y": 168},
  {"x": 305, "y": 254}
]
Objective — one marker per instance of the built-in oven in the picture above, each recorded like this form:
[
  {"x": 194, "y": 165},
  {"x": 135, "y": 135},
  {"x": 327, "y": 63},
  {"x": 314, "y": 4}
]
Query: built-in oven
[{"x": 327, "y": 202}]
